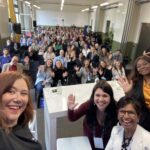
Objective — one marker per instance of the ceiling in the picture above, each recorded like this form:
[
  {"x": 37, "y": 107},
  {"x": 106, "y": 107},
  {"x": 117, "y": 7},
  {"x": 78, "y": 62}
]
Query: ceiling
[{"x": 69, "y": 2}]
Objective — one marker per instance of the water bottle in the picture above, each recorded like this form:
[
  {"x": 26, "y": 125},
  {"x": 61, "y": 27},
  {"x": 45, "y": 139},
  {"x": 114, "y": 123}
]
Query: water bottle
[{"x": 59, "y": 87}]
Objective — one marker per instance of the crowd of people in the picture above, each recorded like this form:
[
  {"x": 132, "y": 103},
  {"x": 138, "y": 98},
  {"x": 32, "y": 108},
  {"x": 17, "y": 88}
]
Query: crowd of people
[
  {"x": 75, "y": 58},
  {"x": 66, "y": 56}
]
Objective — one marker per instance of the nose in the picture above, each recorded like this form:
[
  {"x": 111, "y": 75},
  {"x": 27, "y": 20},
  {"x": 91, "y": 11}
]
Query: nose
[
  {"x": 17, "y": 95},
  {"x": 100, "y": 99},
  {"x": 126, "y": 115}
]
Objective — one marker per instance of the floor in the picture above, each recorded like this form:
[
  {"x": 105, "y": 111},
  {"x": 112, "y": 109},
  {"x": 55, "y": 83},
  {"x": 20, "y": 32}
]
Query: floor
[
  {"x": 65, "y": 128},
  {"x": 40, "y": 127}
]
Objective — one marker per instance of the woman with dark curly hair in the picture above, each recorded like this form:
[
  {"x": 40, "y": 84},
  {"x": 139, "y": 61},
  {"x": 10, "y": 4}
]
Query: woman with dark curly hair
[
  {"x": 139, "y": 87},
  {"x": 16, "y": 111},
  {"x": 100, "y": 114}
]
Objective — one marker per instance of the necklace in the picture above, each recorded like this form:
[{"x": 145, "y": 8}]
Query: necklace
[{"x": 125, "y": 142}]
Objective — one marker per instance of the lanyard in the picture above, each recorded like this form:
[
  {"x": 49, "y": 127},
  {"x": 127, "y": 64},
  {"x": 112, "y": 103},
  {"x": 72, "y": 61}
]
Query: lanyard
[{"x": 94, "y": 130}]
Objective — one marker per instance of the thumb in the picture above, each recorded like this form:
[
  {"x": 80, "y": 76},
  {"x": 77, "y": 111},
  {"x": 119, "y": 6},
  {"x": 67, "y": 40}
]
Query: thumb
[{"x": 74, "y": 105}]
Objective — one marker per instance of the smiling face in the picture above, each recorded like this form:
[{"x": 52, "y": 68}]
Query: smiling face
[
  {"x": 58, "y": 64},
  {"x": 101, "y": 99},
  {"x": 49, "y": 63},
  {"x": 143, "y": 67},
  {"x": 128, "y": 117},
  {"x": 14, "y": 101}
]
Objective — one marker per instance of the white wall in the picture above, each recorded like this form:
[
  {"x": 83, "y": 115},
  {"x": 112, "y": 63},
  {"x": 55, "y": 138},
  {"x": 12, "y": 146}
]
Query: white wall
[
  {"x": 51, "y": 15},
  {"x": 144, "y": 17},
  {"x": 117, "y": 18},
  {"x": 4, "y": 28},
  {"x": 93, "y": 19}
]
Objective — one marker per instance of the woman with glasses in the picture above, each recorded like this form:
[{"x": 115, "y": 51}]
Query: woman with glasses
[
  {"x": 128, "y": 135},
  {"x": 16, "y": 111},
  {"x": 139, "y": 87}
]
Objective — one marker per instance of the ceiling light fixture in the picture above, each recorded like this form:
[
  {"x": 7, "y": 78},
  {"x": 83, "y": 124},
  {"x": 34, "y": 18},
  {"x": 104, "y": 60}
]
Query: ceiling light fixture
[
  {"x": 36, "y": 6},
  {"x": 94, "y": 7},
  {"x": 27, "y": 2},
  {"x": 87, "y": 9},
  {"x": 104, "y": 4},
  {"x": 120, "y": 4},
  {"x": 62, "y": 5}
]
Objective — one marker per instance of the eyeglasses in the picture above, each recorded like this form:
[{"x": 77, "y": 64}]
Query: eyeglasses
[{"x": 129, "y": 113}]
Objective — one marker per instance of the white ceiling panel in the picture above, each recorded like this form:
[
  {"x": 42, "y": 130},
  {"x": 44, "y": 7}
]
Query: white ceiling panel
[{"x": 68, "y": 2}]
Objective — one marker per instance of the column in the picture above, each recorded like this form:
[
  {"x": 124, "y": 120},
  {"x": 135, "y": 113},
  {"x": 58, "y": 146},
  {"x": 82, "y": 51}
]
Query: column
[{"x": 4, "y": 23}]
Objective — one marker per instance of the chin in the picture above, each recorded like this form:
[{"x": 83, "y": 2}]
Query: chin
[
  {"x": 101, "y": 108},
  {"x": 13, "y": 118}
]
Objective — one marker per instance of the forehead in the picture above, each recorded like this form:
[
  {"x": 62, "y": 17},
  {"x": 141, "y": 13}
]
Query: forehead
[
  {"x": 58, "y": 62},
  {"x": 5, "y": 50},
  {"x": 141, "y": 61},
  {"x": 20, "y": 84},
  {"x": 99, "y": 90},
  {"x": 15, "y": 58},
  {"x": 49, "y": 61},
  {"x": 129, "y": 107}
]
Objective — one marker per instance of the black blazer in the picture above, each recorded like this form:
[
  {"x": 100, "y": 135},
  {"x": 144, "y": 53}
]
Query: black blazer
[
  {"x": 20, "y": 138},
  {"x": 137, "y": 93}
]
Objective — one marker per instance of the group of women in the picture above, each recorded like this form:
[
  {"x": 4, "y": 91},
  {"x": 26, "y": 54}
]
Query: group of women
[
  {"x": 121, "y": 126},
  {"x": 110, "y": 126}
]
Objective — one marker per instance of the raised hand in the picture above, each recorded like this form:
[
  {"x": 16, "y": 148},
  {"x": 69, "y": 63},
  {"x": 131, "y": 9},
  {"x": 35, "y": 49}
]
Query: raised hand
[
  {"x": 125, "y": 84},
  {"x": 71, "y": 102}
]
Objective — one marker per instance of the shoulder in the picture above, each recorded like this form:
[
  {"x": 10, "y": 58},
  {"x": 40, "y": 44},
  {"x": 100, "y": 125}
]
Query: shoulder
[
  {"x": 6, "y": 65},
  {"x": 144, "y": 132},
  {"x": 20, "y": 64},
  {"x": 117, "y": 129}
]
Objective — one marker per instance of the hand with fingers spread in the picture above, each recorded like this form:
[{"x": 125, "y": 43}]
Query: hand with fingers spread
[
  {"x": 125, "y": 84},
  {"x": 71, "y": 102}
]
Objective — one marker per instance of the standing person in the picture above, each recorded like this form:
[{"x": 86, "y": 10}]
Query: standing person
[
  {"x": 128, "y": 135},
  {"x": 16, "y": 111},
  {"x": 139, "y": 87},
  {"x": 100, "y": 114}
]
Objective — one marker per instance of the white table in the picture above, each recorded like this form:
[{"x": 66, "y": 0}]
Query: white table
[
  {"x": 56, "y": 106},
  {"x": 74, "y": 143}
]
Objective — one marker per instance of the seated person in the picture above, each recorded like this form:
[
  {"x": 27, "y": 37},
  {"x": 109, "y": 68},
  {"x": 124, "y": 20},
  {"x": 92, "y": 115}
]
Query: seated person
[
  {"x": 15, "y": 66},
  {"x": 128, "y": 135},
  {"x": 60, "y": 73},
  {"x": 100, "y": 114},
  {"x": 104, "y": 73},
  {"x": 118, "y": 70},
  {"x": 5, "y": 58}
]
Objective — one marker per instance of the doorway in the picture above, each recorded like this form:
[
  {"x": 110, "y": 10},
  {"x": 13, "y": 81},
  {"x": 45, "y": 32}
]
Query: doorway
[{"x": 144, "y": 39}]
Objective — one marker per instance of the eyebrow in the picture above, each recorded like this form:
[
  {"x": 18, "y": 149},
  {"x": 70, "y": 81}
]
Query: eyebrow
[{"x": 18, "y": 89}]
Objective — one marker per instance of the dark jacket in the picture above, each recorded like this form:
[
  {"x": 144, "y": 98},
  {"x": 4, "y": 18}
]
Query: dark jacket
[
  {"x": 20, "y": 138},
  {"x": 137, "y": 93},
  {"x": 96, "y": 130}
]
